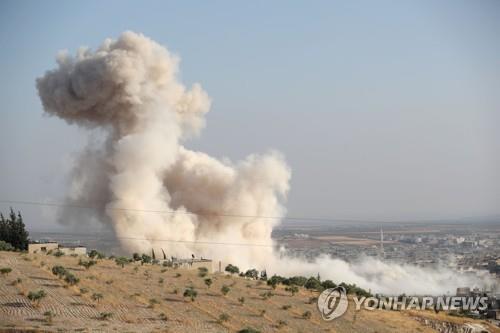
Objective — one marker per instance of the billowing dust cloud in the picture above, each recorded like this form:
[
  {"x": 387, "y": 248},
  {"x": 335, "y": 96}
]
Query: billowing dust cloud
[{"x": 128, "y": 89}]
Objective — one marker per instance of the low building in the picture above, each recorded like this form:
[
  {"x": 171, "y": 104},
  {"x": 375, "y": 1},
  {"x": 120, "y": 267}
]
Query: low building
[
  {"x": 73, "y": 249},
  {"x": 42, "y": 247}
]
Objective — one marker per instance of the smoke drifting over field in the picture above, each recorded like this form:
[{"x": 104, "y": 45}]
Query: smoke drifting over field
[{"x": 128, "y": 88}]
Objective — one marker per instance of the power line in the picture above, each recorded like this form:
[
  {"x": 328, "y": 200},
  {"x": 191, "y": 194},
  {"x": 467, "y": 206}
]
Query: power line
[
  {"x": 162, "y": 240},
  {"x": 289, "y": 218}
]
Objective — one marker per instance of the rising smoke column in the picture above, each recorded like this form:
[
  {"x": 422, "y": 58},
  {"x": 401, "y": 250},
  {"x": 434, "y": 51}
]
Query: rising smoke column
[{"x": 128, "y": 89}]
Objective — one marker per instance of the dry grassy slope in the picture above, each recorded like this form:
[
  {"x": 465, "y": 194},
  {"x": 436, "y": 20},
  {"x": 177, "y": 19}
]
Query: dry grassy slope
[{"x": 127, "y": 293}]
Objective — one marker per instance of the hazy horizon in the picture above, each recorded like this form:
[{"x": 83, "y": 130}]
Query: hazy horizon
[{"x": 384, "y": 111}]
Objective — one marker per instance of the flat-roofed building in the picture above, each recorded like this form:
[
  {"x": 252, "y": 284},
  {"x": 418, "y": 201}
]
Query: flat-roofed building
[{"x": 42, "y": 247}]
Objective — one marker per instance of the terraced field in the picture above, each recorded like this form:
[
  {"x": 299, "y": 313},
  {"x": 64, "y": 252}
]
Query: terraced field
[{"x": 127, "y": 295}]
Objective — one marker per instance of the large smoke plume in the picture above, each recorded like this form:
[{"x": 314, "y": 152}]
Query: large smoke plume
[{"x": 128, "y": 89}]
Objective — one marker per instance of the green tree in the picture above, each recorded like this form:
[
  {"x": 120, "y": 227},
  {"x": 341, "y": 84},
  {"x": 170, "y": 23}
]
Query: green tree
[
  {"x": 122, "y": 261},
  {"x": 225, "y": 290},
  {"x": 191, "y": 293},
  {"x": 13, "y": 230},
  {"x": 232, "y": 269},
  {"x": 36, "y": 296},
  {"x": 97, "y": 297},
  {"x": 5, "y": 270}
]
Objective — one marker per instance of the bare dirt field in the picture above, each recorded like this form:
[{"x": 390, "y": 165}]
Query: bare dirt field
[{"x": 149, "y": 298}]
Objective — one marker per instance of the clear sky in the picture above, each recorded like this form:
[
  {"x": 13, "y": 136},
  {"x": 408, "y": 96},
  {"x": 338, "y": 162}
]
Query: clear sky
[{"x": 384, "y": 109}]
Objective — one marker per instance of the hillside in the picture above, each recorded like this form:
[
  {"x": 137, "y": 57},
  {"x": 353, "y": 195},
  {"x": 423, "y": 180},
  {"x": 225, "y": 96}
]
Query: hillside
[{"x": 150, "y": 298}]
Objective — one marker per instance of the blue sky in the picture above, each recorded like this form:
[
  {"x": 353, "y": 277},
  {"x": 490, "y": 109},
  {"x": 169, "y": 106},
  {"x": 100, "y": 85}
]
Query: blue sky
[{"x": 384, "y": 110}]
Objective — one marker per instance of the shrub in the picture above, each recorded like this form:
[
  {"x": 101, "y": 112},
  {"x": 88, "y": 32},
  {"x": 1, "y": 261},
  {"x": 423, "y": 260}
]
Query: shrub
[
  {"x": 263, "y": 312},
  {"x": 225, "y": 290},
  {"x": 87, "y": 263},
  {"x": 83, "y": 290},
  {"x": 191, "y": 293},
  {"x": 122, "y": 261},
  {"x": 274, "y": 281},
  {"x": 163, "y": 316},
  {"x": 232, "y": 269},
  {"x": 96, "y": 254},
  {"x": 223, "y": 317},
  {"x": 307, "y": 315},
  {"x": 145, "y": 259},
  {"x": 202, "y": 271},
  {"x": 286, "y": 307},
  {"x": 17, "y": 281},
  {"x": 105, "y": 315},
  {"x": 327, "y": 284},
  {"x": 241, "y": 300},
  {"x": 71, "y": 279},
  {"x": 252, "y": 273},
  {"x": 97, "y": 297},
  {"x": 313, "y": 284},
  {"x": 58, "y": 253},
  {"x": 49, "y": 316},
  {"x": 136, "y": 257},
  {"x": 178, "y": 275},
  {"x": 160, "y": 280},
  {"x": 153, "y": 302},
  {"x": 248, "y": 330},
  {"x": 292, "y": 289},
  {"x": 36, "y": 296},
  {"x": 60, "y": 271},
  {"x": 282, "y": 323},
  {"x": 296, "y": 281},
  {"x": 5, "y": 270},
  {"x": 267, "y": 295},
  {"x": 4, "y": 246},
  {"x": 208, "y": 282}
]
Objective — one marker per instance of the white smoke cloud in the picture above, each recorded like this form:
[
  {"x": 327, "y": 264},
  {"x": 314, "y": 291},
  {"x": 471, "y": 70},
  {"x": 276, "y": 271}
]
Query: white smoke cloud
[{"x": 129, "y": 89}]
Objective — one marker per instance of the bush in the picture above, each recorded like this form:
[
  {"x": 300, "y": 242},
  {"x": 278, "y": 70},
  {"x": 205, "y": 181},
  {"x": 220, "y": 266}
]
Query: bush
[
  {"x": 105, "y": 315},
  {"x": 267, "y": 295},
  {"x": 232, "y": 269},
  {"x": 145, "y": 259},
  {"x": 60, "y": 271},
  {"x": 58, "y": 253},
  {"x": 122, "y": 261},
  {"x": 208, "y": 282},
  {"x": 286, "y": 307},
  {"x": 313, "y": 284},
  {"x": 5, "y": 270},
  {"x": 327, "y": 284},
  {"x": 4, "y": 246},
  {"x": 87, "y": 263},
  {"x": 241, "y": 300},
  {"x": 297, "y": 281},
  {"x": 223, "y": 317},
  {"x": 153, "y": 302},
  {"x": 275, "y": 280},
  {"x": 163, "y": 316},
  {"x": 94, "y": 254},
  {"x": 225, "y": 290},
  {"x": 71, "y": 279},
  {"x": 136, "y": 257},
  {"x": 191, "y": 293},
  {"x": 292, "y": 289},
  {"x": 252, "y": 273},
  {"x": 248, "y": 330},
  {"x": 307, "y": 315},
  {"x": 97, "y": 297},
  {"x": 49, "y": 316},
  {"x": 36, "y": 296},
  {"x": 202, "y": 271}
]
